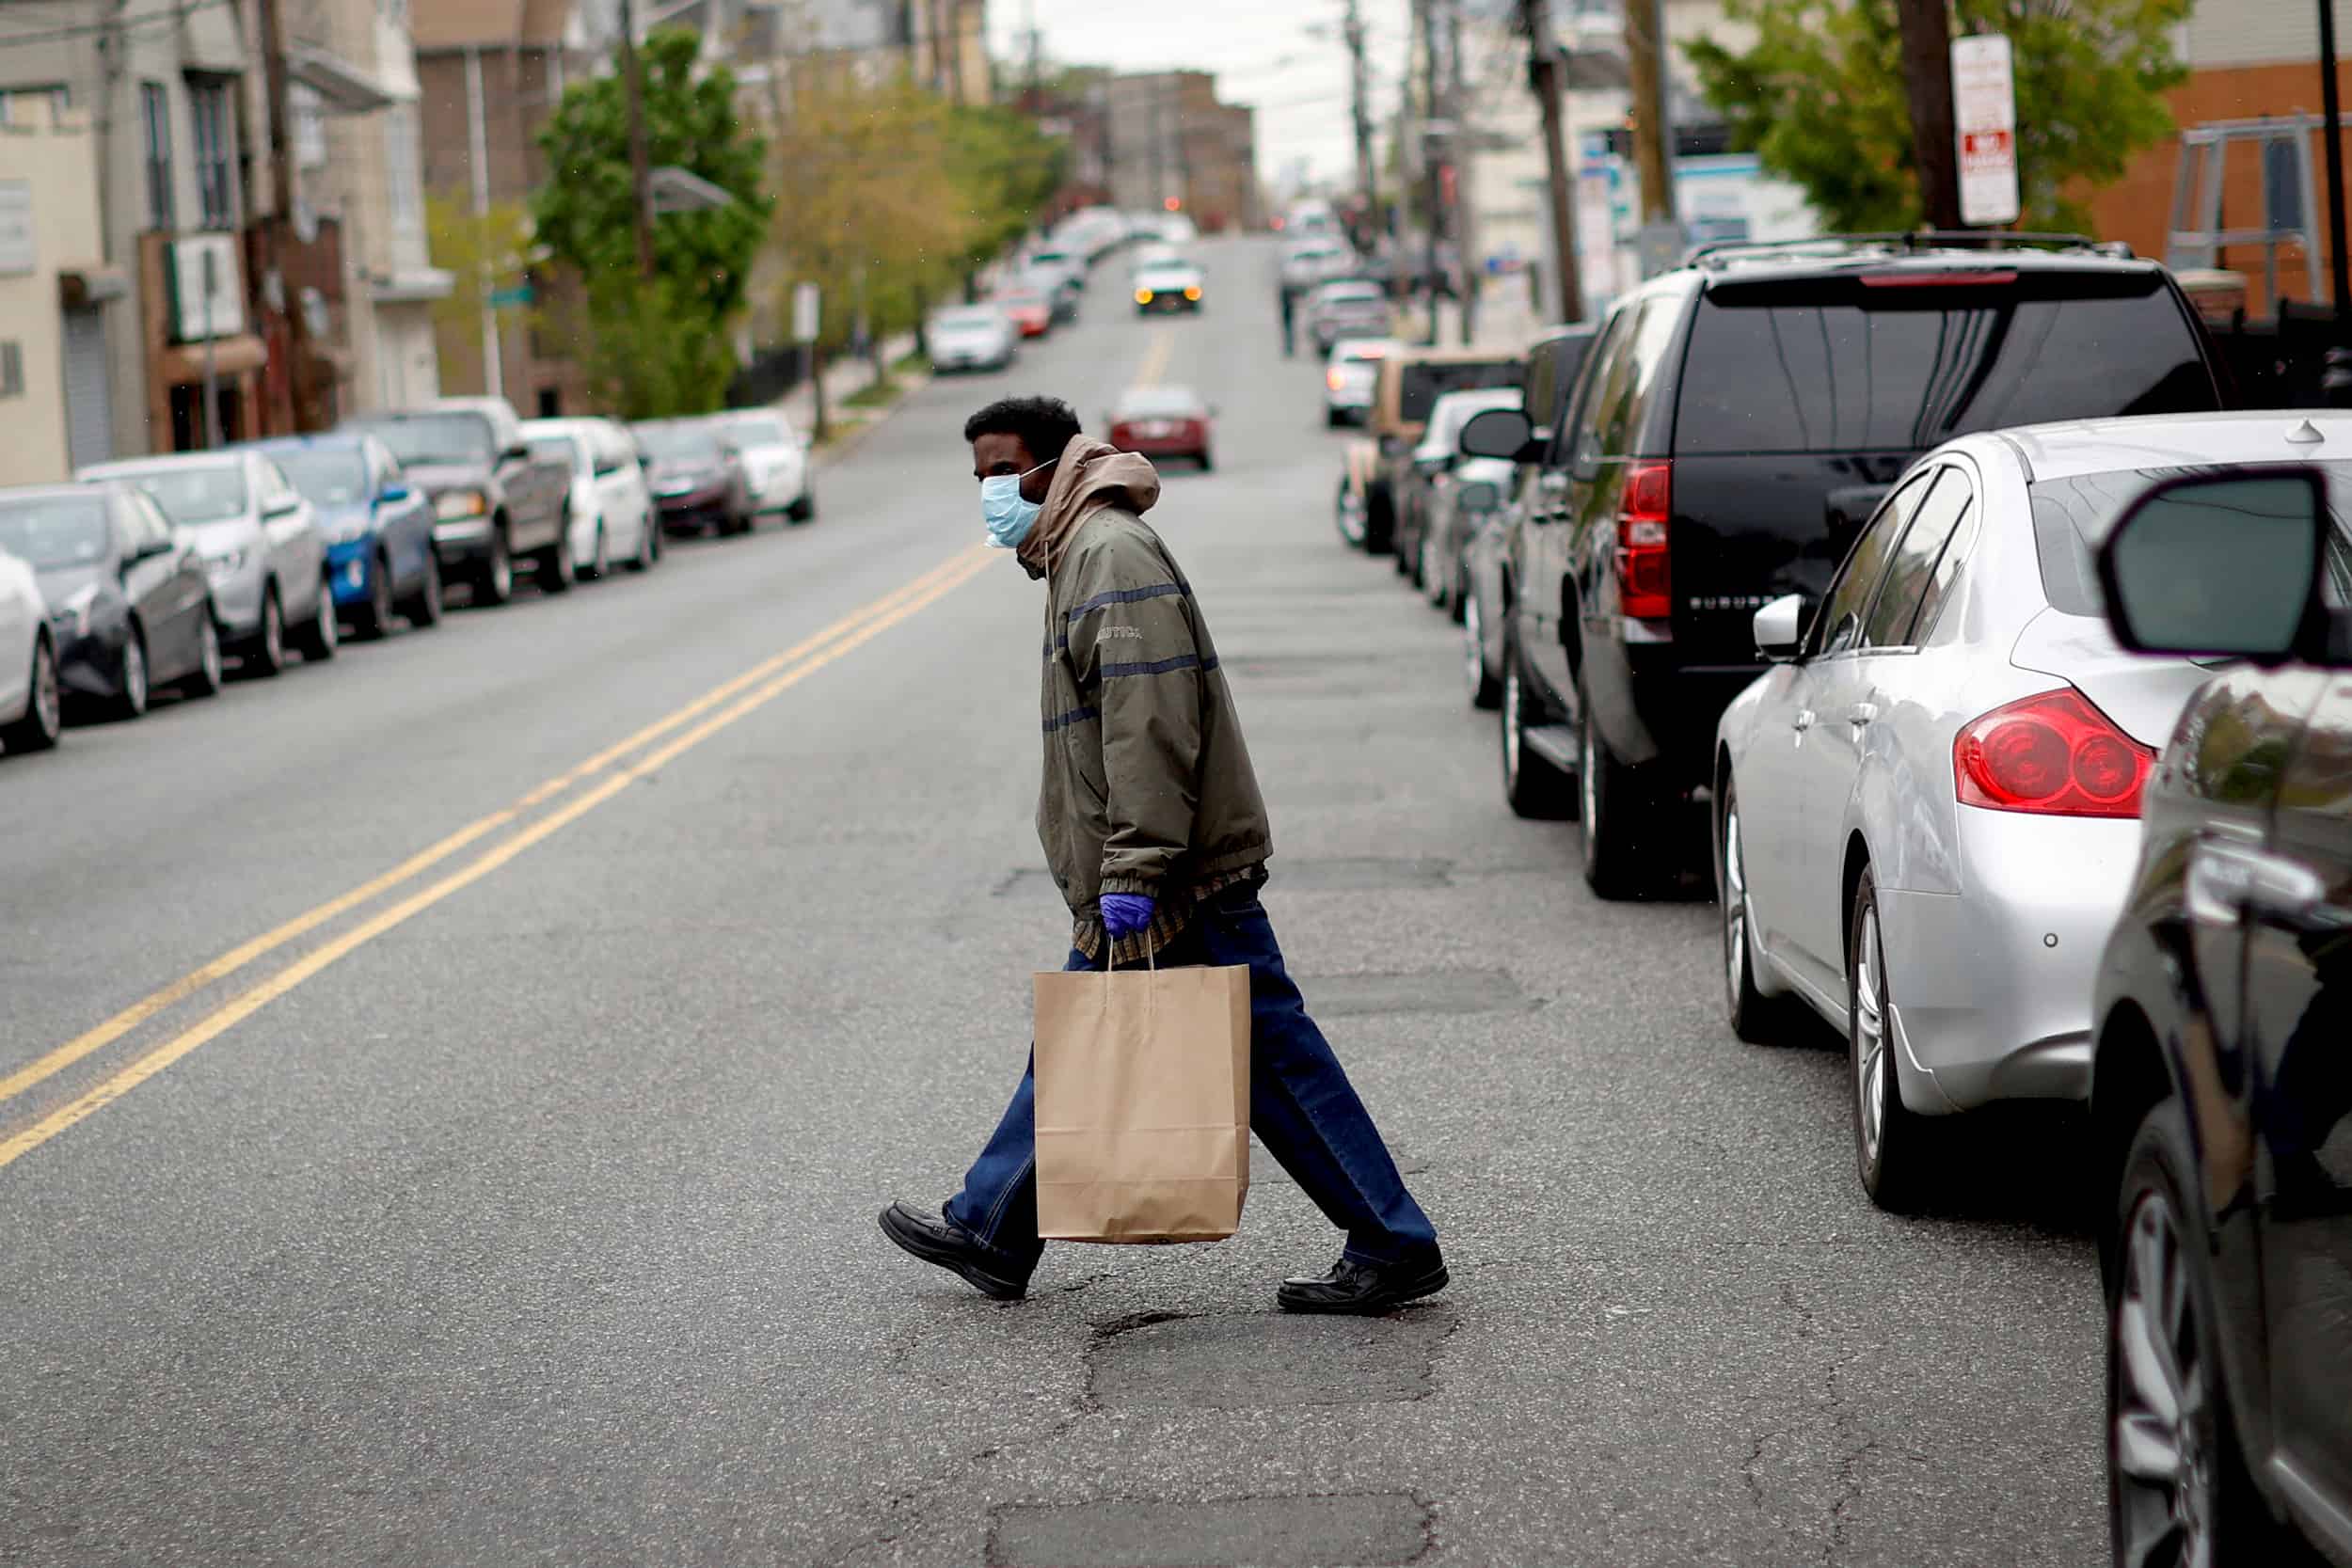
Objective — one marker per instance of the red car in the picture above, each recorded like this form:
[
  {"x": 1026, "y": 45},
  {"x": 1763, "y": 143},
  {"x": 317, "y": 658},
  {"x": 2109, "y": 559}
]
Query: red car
[
  {"x": 1164, "y": 422},
  {"x": 1031, "y": 313}
]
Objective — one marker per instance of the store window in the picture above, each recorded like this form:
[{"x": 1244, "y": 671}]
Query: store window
[{"x": 215, "y": 152}]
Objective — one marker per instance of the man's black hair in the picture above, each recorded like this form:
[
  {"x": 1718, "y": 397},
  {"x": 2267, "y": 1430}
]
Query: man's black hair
[{"x": 1044, "y": 425}]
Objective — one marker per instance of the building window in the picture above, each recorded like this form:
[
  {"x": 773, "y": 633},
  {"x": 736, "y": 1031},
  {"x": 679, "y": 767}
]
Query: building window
[
  {"x": 215, "y": 147},
  {"x": 155, "y": 130},
  {"x": 11, "y": 369},
  {"x": 404, "y": 189},
  {"x": 309, "y": 127}
]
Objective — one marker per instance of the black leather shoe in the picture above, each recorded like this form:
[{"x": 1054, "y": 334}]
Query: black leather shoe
[
  {"x": 1365, "y": 1289},
  {"x": 936, "y": 1239}
]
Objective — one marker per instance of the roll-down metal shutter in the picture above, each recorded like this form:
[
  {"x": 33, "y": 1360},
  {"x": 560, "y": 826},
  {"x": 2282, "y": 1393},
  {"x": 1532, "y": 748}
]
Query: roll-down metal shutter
[{"x": 89, "y": 405}]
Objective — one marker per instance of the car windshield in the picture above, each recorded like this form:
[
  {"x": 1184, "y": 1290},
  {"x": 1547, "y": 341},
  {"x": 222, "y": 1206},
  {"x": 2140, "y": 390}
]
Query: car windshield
[
  {"x": 679, "y": 443},
  {"x": 1349, "y": 294},
  {"x": 556, "y": 448},
  {"x": 1173, "y": 274},
  {"x": 1844, "y": 365},
  {"x": 2071, "y": 518},
  {"x": 191, "y": 492},
  {"x": 1366, "y": 349},
  {"x": 326, "y": 476},
  {"x": 456, "y": 438},
  {"x": 1426, "y": 383},
  {"x": 51, "y": 531},
  {"x": 1159, "y": 403},
  {"x": 978, "y": 318},
  {"x": 758, "y": 429}
]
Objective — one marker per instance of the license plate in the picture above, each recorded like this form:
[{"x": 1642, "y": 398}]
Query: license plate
[{"x": 1155, "y": 427}]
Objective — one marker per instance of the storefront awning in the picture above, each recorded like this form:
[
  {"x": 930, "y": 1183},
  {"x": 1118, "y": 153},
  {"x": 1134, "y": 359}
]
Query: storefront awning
[
  {"x": 79, "y": 287},
  {"x": 182, "y": 364},
  {"x": 341, "y": 84}
]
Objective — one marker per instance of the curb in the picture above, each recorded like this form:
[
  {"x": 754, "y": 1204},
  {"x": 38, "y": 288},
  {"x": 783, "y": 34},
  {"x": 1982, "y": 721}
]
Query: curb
[{"x": 847, "y": 443}]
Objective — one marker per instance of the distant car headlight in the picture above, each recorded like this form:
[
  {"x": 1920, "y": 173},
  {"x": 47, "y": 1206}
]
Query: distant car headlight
[
  {"x": 72, "y": 617},
  {"x": 221, "y": 567},
  {"x": 452, "y": 504}
]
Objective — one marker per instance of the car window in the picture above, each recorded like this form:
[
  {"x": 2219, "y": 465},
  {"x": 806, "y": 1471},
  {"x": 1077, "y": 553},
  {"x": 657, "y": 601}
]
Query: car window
[
  {"x": 1840, "y": 619},
  {"x": 48, "y": 532},
  {"x": 1912, "y": 567},
  {"x": 1427, "y": 381},
  {"x": 1838, "y": 364},
  {"x": 191, "y": 493},
  {"x": 152, "y": 525},
  {"x": 331, "y": 476},
  {"x": 1565, "y": 447},
  {"x": 558, "y": 450},
  {"x": 1602, "y": 417}
]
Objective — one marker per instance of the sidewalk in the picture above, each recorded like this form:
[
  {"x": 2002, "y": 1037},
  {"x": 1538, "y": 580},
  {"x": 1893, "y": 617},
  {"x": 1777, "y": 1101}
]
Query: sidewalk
[{"x": 845, "y": 378}]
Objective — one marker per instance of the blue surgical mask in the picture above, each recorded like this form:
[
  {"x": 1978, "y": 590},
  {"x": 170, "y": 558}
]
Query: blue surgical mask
[{"x": 1005, "y": 513}]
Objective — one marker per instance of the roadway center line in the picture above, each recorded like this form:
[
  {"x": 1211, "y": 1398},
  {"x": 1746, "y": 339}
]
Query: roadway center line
[
  {"x": 253, "y": 1000},
  {"x": 1154, "y": 358},
  {"x": 130, "y": 1017}
]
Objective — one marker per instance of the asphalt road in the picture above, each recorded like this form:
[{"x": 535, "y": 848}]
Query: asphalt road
[{"x": 522, "y": 1210}]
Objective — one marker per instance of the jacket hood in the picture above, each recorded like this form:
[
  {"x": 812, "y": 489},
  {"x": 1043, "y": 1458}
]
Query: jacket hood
[{"x": 1090, "y": 476}]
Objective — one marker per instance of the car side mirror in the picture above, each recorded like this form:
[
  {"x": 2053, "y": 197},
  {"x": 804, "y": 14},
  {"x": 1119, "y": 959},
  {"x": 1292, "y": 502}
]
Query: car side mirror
[
  {"x": 645, "y": 464},
  {"x": 393, "y": 495},
  {"x": 516, "y": 454},
  {"x": 281, "y": 509},
  {"x": 1780, "y": 628},
  {"x": 2226, "y": 563},
  {"x": 1497, "y": 432}
]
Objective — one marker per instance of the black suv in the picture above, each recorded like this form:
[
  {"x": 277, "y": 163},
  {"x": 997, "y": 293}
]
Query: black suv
[
  {"x": 2222, "y": 1079},
  {"x": 1734, "y": 426}
]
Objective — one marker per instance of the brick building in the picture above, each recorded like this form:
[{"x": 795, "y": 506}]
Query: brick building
[{"x": 1166, "y": 138}]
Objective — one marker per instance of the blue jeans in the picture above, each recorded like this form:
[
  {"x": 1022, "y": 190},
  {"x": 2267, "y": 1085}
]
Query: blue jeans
[{"x": 1301, "y": 1107}]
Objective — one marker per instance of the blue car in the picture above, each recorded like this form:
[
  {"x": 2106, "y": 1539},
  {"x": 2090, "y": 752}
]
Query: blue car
[{"x": 379, "y": 528}]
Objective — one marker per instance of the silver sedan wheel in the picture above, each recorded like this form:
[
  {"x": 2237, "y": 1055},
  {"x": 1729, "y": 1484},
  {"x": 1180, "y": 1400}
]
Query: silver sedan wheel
[
  {"x": 2163, "y": 1395},
  {"x": 1871, "y": 1064},
  {"x": 1735, "y": 904},
  {"x": 1473, "y": 644},
  {"x": 47, "y": 704}
]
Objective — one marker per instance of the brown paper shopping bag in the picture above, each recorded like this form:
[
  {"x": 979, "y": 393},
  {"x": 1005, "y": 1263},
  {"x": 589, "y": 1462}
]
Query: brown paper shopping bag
[{"x": 1142, "y": 1104}]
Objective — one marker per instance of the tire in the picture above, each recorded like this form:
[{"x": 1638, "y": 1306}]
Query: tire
[
  {"x": 494, "y": 579},
  {"x": 1433, "y": 584},
  {"x": 2168, "y": 1407},
  {"x": 1531, "y": 787},
  {"x": 1379, "y": 521},
  {"x": 552, "y": 569},
  {"x": 804, "y": 510},
  {"x": 1621, "y": 855},
  {"x": 1332, "y": 420},
  {"x": 1890, "y": 1154},
  {"x": 130, "y": 698},
  {"x": 1406, "y": 557},
  {"x": 44, "y": 719},
  {"x": 264, "y": 652},
  {"x": 1348, "y": 513},
  {"x": 648, "y": 545},
  {"x": 1208, "y": 462},
  {"x": 424, "y": 607},
  {"x": 599, "y": 560},
  {"x": 205, "y": 680},
  {"x": 1486, "y": 687},
  {"x": 318, "y": 641},
  {"x": 1753, "y": 1016},
  {"x": 374, "y": 621}
]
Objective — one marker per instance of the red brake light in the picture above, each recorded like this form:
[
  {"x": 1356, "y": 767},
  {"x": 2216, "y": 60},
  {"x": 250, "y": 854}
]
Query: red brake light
[
  {"x": 1644, "y": 576},
  {"x": 2052, "y": 753},
  {"x": 1332, "y": 378},
  {"x": 1986, "y": 278}
]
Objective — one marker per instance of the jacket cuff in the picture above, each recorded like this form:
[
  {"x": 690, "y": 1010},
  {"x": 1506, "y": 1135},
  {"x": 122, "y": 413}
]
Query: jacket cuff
[{"x": 1148, "y": 887}]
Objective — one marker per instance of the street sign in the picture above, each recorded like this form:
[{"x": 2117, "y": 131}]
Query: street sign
[
  {"x": 516, "y": 293},
  {"x": 1984, "y": 117},
  {"x": 804, "y": 312}
]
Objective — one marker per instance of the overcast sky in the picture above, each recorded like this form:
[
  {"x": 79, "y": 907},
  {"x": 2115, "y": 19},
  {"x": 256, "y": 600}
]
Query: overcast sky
[{"x": 1260, "y": 51}]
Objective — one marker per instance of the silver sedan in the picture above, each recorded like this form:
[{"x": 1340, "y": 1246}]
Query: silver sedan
[{"x": 1928, "y": 809}]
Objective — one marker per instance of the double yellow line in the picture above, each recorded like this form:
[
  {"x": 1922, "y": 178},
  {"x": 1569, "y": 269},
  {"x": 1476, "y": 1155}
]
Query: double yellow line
[{"x": 695, "y": 722}]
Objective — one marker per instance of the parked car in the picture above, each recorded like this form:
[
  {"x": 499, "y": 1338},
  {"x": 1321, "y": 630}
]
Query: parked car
[
  {"x": 1055, "y": 267},
  {"x": 1349, "y": 307},
  {"x": 776, "y": 462},
  {"x": 1421, "y": 479},
  {"x": 1064, "y": 292},
  {"x": 263, "y": 552},
  {"x": 972, "y": 338},
  {"x": 697, "y": 477},
  {"x": 129, "y": 608},
  {"x": 1314, "y": 260},
  {"x": 1554, "y": 362},
  {"x": 1468, "y": 502},
  {"x": 1737, "y": 421},
  {"x": 32, "y": 707},
  {"x": 493, "y": 502},
  {"x": 2221, "y": 1080},
  {"x": 1169, "y": 288},
  {"x": 1349, "y": 377},
  {"x": 1927, "y": 812},
  {"x": 610, "y": 507},
  {"x": 1164, "y": 422},
  {"x": 1029, "y": 308},
  {"x": 1410, "y": 382},
  {"x": 380, "y": 559}
]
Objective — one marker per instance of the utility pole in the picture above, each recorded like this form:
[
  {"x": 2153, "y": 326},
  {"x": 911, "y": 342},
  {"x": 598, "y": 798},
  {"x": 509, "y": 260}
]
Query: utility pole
[
  {"x": 640, "y": 162},
  {"x": 1545, "y": 68},
  {"x": 1459, "y": 150},
  {"x": 1432, "y": 176},
  {"x": 1653, "y": 127},
  {"x": 281, "y": 188},
  {"x": 2331, "y": 136},
  {"x": 1927, "y": 71},
  {"x": 1367, "y": 181}
]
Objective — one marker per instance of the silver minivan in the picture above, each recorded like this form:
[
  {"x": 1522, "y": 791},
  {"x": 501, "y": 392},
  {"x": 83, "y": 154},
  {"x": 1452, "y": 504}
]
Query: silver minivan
[{"x": 261, "y": 548}]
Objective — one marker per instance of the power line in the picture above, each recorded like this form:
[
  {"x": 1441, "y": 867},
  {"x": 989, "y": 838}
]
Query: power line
[{"x": 90, "y": 29}]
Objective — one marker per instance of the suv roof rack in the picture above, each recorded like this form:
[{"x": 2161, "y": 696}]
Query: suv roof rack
[{"x": 1722, "y": 252}]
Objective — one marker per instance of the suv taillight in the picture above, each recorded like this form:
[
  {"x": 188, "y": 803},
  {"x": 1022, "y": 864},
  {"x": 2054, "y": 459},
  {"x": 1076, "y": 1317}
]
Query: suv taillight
[
  {"x": 1644, "y": 579},
  {"x": 1333, "y": 379},
  {"x": 2051, "y": 753}
]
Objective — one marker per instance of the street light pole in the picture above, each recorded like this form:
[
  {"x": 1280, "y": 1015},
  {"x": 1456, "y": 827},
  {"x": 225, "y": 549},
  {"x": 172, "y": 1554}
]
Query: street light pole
[{"x": 2330, "y": 106}]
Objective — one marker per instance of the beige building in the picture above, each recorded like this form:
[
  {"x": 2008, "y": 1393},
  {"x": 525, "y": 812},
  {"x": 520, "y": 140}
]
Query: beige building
[{"x": 55, "y": 294}]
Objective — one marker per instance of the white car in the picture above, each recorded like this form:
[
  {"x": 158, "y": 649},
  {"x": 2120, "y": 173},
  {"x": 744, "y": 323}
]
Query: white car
[
  {"x": 972, "y": 338},
  {"x": 31, "y": 710},
  {"x": 1927, "y": 810},
  {"x": 263, "y": 547},
  {"x": 1350, "y": 376},
  {"x": 612, "y": 510},
  {"x": 776, "y": 462}
]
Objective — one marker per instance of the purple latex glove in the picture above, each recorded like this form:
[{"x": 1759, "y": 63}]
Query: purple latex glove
[{"x": 1126, "y": 913}]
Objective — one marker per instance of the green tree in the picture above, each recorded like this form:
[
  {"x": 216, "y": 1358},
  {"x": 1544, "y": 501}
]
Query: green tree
[
  {"x": 658, "y": 347},
  {"x": 1821, "y": 98},
  {"x": 485, "y": 252},
  {"x": 1005, "y": 169}
]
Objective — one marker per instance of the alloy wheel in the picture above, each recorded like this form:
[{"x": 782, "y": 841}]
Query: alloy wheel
[
  {"x": 133, "y": 677},
  {"x": 1473, "y": 646},
  {"x": 208, "y": 653},
  {"x": 272, "y": 632},
  {"x": 1735, "y": 900},
  {"x": 48, "y": 702},
  {"x": 1587, "y": 773},
  {"x": 329, "y": 635},
  {"x": 1870, "y": 1065},
  {"x": 501, "y": 569},
  {"x": 1510, "y": 721},
  {"x": 2160, "y": 1399}
]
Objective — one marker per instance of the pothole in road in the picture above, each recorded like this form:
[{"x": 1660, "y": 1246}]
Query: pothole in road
[
  {"x": 1265, "y": 1362},
  {"x": 1376, "y": 1529}
]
